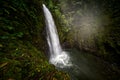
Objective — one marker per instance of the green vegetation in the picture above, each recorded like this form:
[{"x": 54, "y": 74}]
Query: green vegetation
[
  {"x": 90, "y": 25},
  {"x": 94, "y": 26},
  {"x": 22, "y": 42},
  {"x": 23, "y": 61}
]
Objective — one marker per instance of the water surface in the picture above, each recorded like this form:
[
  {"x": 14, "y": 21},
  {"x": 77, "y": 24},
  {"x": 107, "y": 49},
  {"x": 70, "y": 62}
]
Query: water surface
[{"x": 85, "y": 66}]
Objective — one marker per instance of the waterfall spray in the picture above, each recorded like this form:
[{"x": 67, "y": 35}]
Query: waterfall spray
[{"x": 58, "y": 57}]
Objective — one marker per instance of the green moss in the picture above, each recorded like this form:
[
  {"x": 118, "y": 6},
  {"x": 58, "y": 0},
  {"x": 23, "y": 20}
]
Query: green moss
[
  {"x": 22, "y": 42},
  {"x": 103, "y": 36}
]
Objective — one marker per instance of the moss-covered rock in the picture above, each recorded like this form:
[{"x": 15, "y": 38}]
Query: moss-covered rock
[
  {"x": 22, "y": 42},
  {"x": 24, "y": 61},
  {"x": 94, "y": 27}
]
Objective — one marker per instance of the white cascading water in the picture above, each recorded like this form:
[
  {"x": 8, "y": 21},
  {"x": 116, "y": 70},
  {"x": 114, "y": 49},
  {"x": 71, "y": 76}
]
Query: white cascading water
[{"x": 58, "y": 57}]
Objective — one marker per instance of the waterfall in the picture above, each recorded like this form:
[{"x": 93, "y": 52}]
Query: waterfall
[{"x": 58, "y": 57}]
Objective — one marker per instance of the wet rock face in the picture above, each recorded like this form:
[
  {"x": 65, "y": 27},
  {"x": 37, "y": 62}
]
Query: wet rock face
[{"x": 94, "y": 26}]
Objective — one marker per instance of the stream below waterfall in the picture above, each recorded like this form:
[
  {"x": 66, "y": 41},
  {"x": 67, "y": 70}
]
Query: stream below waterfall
[{"x": 86, "y": 66}]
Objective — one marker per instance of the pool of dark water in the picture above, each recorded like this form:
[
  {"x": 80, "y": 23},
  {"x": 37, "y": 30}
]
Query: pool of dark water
[{"x": 86, "y": 66}]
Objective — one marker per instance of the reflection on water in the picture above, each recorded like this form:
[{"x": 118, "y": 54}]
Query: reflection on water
[{"x": 85, "y": 66}]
